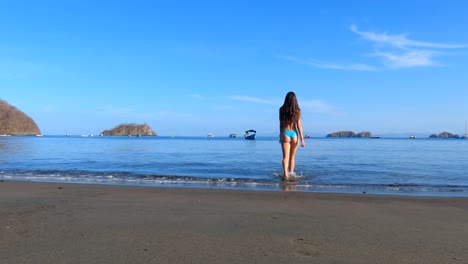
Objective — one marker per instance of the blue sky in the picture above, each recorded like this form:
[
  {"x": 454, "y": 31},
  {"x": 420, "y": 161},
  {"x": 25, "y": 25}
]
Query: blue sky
[{"x": 194, "y": 67}]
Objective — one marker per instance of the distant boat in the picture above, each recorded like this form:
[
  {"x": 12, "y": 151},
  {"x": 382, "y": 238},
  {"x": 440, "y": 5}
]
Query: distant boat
[
  {"x": 250, "y": 134},
  {"x": 466, "y": 131},
  {"x": 412, "y": 137},
  {"x": 4, "y": 135},
  {"x": 307, "y": 136},
  {"x": 210, "y": 135},
  {"x": 39, "y": 135},
  {"x": 233, "y": 135}
]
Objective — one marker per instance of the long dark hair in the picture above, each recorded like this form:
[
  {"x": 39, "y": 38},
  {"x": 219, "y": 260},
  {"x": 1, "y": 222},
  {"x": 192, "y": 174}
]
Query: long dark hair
[{"x": 290, "y": 112}]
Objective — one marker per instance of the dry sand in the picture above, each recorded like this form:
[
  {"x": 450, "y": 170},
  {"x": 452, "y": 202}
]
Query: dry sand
[{"x": 73, "y": 223}]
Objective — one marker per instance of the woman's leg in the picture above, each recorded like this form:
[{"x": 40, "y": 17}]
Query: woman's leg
[
  {"x": 292, "y": 153},
  {"x": 285, "y": 147}
]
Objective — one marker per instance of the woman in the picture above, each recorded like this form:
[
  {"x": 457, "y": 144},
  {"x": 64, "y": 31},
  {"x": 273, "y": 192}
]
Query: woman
[{"x": 290, "y": 132}]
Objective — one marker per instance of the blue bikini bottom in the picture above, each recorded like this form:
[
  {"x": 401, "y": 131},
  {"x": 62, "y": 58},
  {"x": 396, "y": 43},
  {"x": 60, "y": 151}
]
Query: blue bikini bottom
[{"x": 290, "y": 133}]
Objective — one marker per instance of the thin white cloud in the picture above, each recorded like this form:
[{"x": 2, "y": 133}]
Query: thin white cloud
[
  {"x": 174, "y": 115},
  {"x": 114, "y": 111},
  {"x": 399, "y": 51},
  {"x": 396, "y": 51},
  {"x": 413, "y": 58},
  {"x": 401, "y": 40},
  {"x": 251, "y": 99},
  {"x": 331, "y": 65},
  {"x": 49, "y": 109},
  {"x": 123, "y": 112},
  {"x": 316, "y": 106},
  {"x": 320, "y": 107},
  {"x": 222, "y": 107}
]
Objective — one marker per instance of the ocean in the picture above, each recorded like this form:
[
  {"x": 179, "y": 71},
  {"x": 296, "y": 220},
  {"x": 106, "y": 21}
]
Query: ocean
[{"x": 427, "y": 167}]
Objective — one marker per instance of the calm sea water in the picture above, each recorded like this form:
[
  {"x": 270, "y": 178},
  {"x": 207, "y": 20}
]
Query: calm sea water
[{"x": 392, "y": 166}]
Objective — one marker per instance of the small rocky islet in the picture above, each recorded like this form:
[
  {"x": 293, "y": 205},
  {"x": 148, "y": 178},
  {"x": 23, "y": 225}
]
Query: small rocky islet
[
  {"x": 367, "y": 134},
  {"x": 445, "y": 135},
  {"x": 351, "y": 134},
  {"x": 130, "y": 130}
]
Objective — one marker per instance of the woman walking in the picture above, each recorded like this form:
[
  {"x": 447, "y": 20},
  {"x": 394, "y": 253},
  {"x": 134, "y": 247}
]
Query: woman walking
[{"x": 290, "y": 133}]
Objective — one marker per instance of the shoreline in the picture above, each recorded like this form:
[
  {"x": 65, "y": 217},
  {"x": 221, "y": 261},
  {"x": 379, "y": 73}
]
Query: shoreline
[
  {"x": 279, "y": 186},
  {"x": 86, "y": 223}
]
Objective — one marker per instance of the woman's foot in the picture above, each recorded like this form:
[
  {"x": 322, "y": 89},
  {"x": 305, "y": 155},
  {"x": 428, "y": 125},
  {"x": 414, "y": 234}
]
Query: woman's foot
[{"x": 289, "y": 178}]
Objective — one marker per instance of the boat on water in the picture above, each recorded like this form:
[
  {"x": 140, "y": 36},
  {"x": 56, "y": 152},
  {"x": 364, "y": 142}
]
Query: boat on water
[
  {"x": 466, "y": 131},
  {"x": 412, "y": 137},
  {"x": 210, "y": 135},
  {"x": 233, "y": 135},
  {"x": 250, "y": 134},
  {"x": 4, "y": 135}
]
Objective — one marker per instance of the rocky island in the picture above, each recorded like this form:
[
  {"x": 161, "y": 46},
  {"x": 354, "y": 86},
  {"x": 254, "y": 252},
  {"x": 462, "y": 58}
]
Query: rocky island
[
  {"x": 129, "y": 130},
  {"x": 363, "y": 134},
  {"x": 15, "y": 122},
  {"x": 444, "y": 135}
]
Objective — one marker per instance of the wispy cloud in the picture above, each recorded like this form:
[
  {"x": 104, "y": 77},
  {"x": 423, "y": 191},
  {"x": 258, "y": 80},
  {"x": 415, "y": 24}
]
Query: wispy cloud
[
  {"x": 330, "y": 65},
  {"x": 222, "y": 107},
  {"x": 320, "y": 107},
  {"x": 175, "y": 115},
  {"x": 49, "y": 109},
  {"x": 316, "y": 106},
  {"x": 399, "y": 51},
  {"x": 401, "y": 40},
  {"x": 396, "y": 51},
  {"x": 252, "y": 99},
  {"x": 123, "y": 112},
  {"x": 412, "y": 58}
]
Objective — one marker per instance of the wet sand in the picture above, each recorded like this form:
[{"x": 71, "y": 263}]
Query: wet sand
[{"x": 74, "y": 223}]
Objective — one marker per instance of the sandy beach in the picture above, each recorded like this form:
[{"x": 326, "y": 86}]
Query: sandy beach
[{"x": 74, "y": 223}]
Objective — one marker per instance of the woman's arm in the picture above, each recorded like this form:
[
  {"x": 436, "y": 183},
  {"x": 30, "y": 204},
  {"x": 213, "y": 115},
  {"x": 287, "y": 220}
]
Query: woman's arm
[{"x": 299, "y": 129}]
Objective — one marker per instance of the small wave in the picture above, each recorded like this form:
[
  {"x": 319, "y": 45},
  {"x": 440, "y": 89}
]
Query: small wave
[{"x": 272, "y": 183}]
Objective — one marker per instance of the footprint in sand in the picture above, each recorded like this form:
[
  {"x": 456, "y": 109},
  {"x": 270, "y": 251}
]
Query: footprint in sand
[{"x": 307, "y": 248}]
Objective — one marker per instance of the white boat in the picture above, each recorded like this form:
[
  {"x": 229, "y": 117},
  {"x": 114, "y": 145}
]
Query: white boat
[
  {"x": 250, "y": 134},
  {"x": 412, "y": 137},
  {"x": 4, "y": 135},
  {"x": 210, "y": 135}
]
